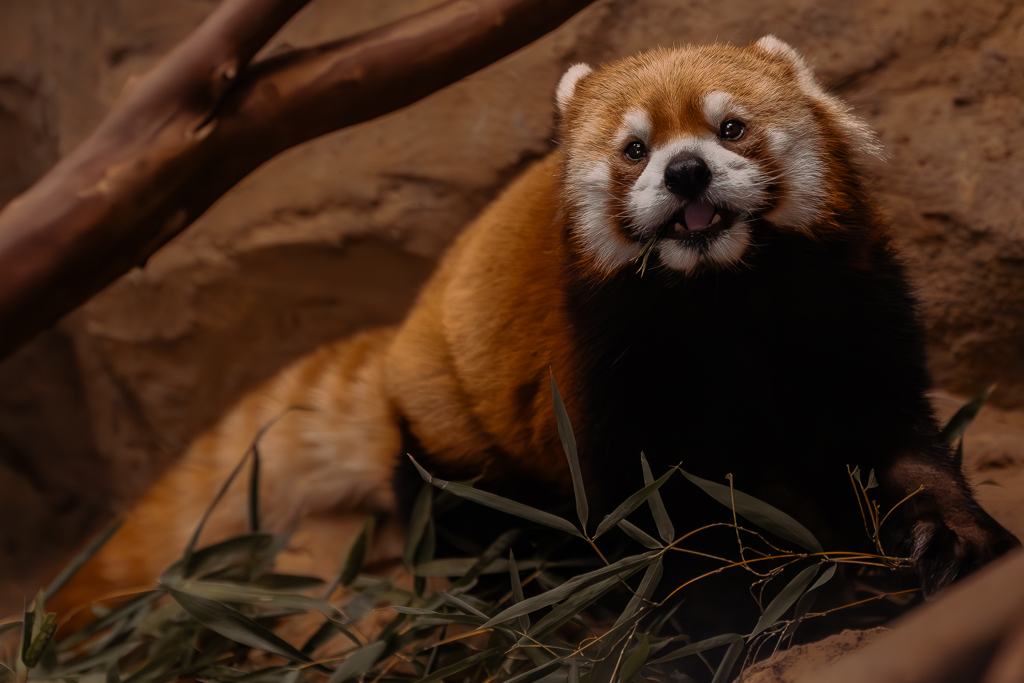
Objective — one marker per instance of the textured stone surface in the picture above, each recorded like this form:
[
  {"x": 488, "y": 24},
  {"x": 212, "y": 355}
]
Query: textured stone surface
[
  {"x": 789, "y": 665},
  {"x": 337, "y": 234}
]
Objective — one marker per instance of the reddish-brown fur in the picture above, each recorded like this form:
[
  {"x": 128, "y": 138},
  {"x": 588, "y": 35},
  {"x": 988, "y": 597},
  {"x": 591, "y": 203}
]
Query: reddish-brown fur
[{"x": 467, "y": 373}]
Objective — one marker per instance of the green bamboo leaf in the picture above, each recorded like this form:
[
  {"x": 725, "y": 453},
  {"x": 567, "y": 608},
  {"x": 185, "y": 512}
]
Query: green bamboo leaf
[
  {"x": 785, "y": 599},
  {"x": 665, "y": 528},
  {"x": 537, "y": 673},
  {"x": 803, "y": 605},
  {"x": 102, "y": 659},
  {"x": 462, "y": 605},
  {"x": 760, "y": 513},
  {"x": 505, "y": 505},
  {"x": 217, "y": 557},
  {"x": 728, "y": 662},
  {"x": 639, "y": 535},
  {"x": 423, "y": 473},
  {"x": 635, "y": 661},
  {"x": 81, "y": 558},
  {"x": 356, "y": 555},
  {"x": 186, "y": 558},
  {"x": 235, "y": 626},
  {"x": 630, "y": 504},
  {"x": 963, "y": 418},
  {"x": 261, "y": 597},
  {"x": 493, "y": 554},
  {"x": 359, "y": 662},
  {"x": 624, "y": 567},
  {"x": 140, "y": 602},
  {"x": 569, "y": 446},
  {"x": 418, "y": 523},
  {"x": 367, "y": 599},
  {"x": 647, "y": 586},
  {"x": 701, "y": 646},
  {"x": 462, "y": 664},
  {"x": 523, "y": 620},
  {"x": 570, "y": 608},
  {"x": 824, "y": 578},
  {"x": 254, "y": 489},
  {"x": 47, "y": 627}
]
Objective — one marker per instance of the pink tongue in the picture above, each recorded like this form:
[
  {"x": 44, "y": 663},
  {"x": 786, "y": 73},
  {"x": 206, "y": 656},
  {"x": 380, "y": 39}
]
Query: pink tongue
[{"x": 698, "y": 214}]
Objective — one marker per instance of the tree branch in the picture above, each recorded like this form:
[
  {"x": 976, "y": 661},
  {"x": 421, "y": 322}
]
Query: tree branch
[{"x": 204, "y": 118}]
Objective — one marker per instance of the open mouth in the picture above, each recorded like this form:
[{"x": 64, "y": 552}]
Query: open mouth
[{"x": 698, "y": 220}]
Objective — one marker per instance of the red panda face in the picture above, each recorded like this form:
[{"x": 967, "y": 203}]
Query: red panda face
[{"x": 681, "y": 151}]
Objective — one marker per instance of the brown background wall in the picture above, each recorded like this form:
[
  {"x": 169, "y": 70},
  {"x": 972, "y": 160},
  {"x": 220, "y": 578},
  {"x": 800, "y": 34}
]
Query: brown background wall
[{"x": 338, "y": 234}]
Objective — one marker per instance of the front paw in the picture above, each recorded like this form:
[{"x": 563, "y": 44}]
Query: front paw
[{"x": 949, "y": 546}]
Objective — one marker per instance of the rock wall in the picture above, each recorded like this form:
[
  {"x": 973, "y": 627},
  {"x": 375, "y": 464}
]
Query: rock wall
[{"x": 338, "y": 234}]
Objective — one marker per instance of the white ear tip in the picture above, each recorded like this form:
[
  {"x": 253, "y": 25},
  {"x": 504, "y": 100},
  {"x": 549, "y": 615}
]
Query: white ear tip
[
  {"x": 774, "y": 46},
  {"x": 567, "y": 86}
]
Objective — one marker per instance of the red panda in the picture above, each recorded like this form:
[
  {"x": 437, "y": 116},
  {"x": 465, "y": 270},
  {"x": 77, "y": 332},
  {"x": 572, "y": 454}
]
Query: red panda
[{"x": 700, "y": 267}]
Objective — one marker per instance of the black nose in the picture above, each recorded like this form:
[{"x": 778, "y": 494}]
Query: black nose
[{"x": 687, "y": 176}]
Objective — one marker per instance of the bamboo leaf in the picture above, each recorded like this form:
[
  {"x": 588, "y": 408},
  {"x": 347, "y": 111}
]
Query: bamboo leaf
[
  {"x": 359, "y": 662},
  {"x": 785, "y": 599},
  {"x": 570, "y": 608},
  {"x": 639, "y": 535},
  {"x": 47, "y": 627},
  {"x": 418, "y": 523},
  {"x": 760, "y": 513},
  {"x": 647, "y": 586},
  {"x": 701, "y": 646},
  {"x": 635, "y": 661},
  {"x": 963, "y": 418},
  {"x": 665, "y": 528},
  {"x": 501, "y": 504},
  {"x": 569, "y": 446},
  {"x": 252, "y": 595},
  {"x": 728, "y": 662},
  {"x": 630, "y": 504},
  {"x": 254, "y": 489},
  {"x": 219, "y": 556},
  {"x": 80, "y": 559},
  {"x": 493, "y": 553},
  {"x": 803, "y": 605},
  {"x": 624, "y": 567},
  {"x": 523, "y": 620},
  {"x": 234, "y": 625},
  {"x": 462, "y": 664},
  {"x": 356, "y": 555},
  {"x": 536, "y": 673}
]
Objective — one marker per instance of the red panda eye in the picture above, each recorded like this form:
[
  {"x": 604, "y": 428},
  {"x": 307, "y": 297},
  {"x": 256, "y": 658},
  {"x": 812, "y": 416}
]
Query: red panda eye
[
  {"x": 732, "y": 130},
  {"x": 635, "y": 151}
]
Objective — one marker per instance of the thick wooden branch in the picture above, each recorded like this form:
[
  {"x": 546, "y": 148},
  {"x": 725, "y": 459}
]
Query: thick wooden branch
[{"x": 204, "y": 118}]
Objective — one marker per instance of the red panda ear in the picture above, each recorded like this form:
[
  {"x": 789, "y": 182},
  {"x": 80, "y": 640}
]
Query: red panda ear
[
  {"x": 863, "y": 138},
  {"x": 784, "y": 52},
  {"x": 567, "y": 86}
]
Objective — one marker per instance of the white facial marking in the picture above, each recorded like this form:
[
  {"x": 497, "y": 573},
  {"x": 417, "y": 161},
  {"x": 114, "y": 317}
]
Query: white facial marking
[
  {"x": 718, "y": 106},
  {"x": 737, "y": 183},
  {"x": 635, "y": 124},
  {"x": 567, "y": 85},
  {"x": 589, "y": 190},
  {"x": 803, "y": 175}
]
